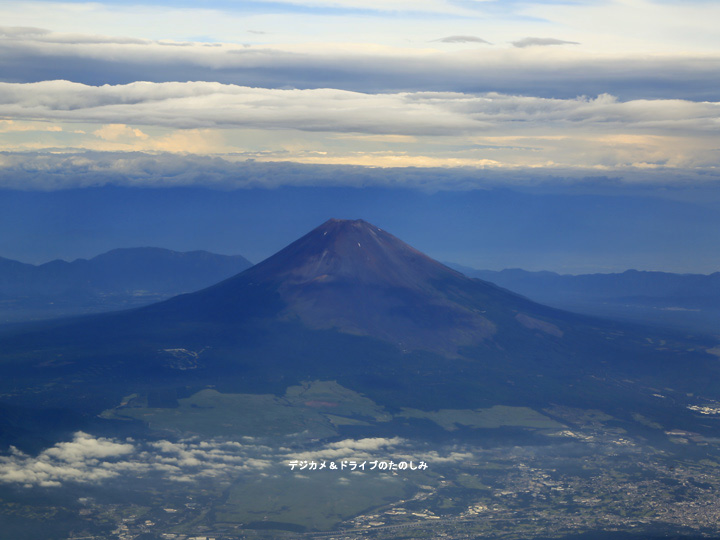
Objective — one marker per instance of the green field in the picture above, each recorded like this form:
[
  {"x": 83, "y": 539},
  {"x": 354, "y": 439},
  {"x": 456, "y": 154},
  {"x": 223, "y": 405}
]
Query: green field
[
  {"x": 212, "y": 414},
  {"x": 316, "y": 500},
  {"x": 494, "y": 417},
  {"x": 312, "y": 409},
  {"x": 331, "y": 398}
]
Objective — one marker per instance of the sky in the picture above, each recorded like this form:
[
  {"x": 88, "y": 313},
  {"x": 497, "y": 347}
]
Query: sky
[{"x": 617, "y": 98}]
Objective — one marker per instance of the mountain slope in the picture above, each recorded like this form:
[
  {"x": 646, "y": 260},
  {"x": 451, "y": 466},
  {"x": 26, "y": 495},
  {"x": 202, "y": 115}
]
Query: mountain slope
[
  {"x": 352, "y": 303},
  {"x": 356, "y": 278}
]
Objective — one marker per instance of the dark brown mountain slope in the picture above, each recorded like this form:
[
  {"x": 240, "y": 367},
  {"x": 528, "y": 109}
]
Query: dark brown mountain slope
[{"x": 350, "y": 302}]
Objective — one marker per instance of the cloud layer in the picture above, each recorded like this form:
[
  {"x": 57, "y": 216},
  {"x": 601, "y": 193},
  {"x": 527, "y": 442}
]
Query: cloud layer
[
  {"x": 332, "y": 126},
  {"x": 49, "y": 172},
  {"x": 89, "y": 459},
  {"x": 638, "y": 26},
  {"x": 206, "y": 104},
  {"x": 460, "y": 62},
  {"x": 547, "y": 86}
]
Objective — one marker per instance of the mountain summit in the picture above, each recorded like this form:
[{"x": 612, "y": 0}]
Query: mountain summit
[
  {"x": 352, "y": 251},
  {"x": 354, "y": 277}
]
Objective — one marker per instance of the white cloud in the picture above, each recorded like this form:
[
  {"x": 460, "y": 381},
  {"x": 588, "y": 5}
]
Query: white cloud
[
  {"x": 374, "y": 443},
  {"x": 10, "y": 126},
  {"x": 462, "y": 39},
  {"x": 618, "y": 25},
  {"x": 382, "y": 448},
  {"x": 115, "y": 132},
  {"x": 422, "y": 6},
  {"x": 84, "y": 459},
  {"x": 43, "y": 35},
  {"x": 541, "y": 42},
  {"x": 339, "y": 127},
  {"x": 641, "y": 25},
  {"x": 365, "y": 65},
  {"x": 205, "y": 105},
  {"x": 84, "y": 447},
  {"x": 89, "y": 459}
]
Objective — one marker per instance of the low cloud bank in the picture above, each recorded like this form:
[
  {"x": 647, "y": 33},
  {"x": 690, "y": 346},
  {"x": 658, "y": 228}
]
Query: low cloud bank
[
  {"x": 49, "y": 172},
  {"x": 88, "y": 459},
  {"x": 215, "y": 105}
]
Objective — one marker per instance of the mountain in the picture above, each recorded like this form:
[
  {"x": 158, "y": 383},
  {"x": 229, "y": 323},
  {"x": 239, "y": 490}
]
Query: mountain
[
  {"x": 357, "y": 279},
  {"x": 118, "y": 279},
  {"x": 350, "y": 303},
  {"x": 688, "y": 301}
]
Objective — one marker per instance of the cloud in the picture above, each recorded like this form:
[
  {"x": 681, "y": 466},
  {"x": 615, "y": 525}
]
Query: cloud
[
  {"x": 84, "y": 459},
  {"x": 115, "y": 132},
  {"x": 655, "y": 26},
  {"x": 90, "y": 460},
  {"x": 197, "y": 141},
  {"x": 337, "y": 127},
  {"x": 42, "y": 35},
  {"x": 15, "y": 32},
  {"x": 370, "y": 444},
  {"x": 461, "y": 39},
  {"x": 84, "y": 447},
  {"x": 424, "y": 6},
  {"x": 639, "y": 26},
  {"x": 360, "y": 66},
  {"x": 47, "y": 172},
  {"x": 541, "y": 42},
  {"x": 198, "y": 105},
  {"x": 9, "y": 126},
  {"x": 119, "y": 137},
  {"x": 382, "y": 449}
]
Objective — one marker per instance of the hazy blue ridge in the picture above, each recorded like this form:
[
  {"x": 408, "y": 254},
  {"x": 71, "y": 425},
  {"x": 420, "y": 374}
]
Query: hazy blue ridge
[
  {"x": 113, "y": 280},
  {"x": 689, "y": 301}
]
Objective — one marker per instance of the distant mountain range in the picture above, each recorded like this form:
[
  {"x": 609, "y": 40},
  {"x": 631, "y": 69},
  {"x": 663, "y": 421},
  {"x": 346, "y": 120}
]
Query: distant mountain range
[
  {"x": 133, "y": 277},
  {"x": 118, "y": 279},
  {"x": 350, "y": 303},
  {"x": 684, "y": 301}
]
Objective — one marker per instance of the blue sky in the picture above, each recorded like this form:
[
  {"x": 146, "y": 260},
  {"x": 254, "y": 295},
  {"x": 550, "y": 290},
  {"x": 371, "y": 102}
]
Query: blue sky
[
  {"x": 571, "y": 232},
  {"x": 478, "y": 94}
]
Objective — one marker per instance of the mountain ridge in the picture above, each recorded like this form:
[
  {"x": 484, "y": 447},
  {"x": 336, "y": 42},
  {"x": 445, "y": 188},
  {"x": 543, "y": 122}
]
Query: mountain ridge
[
  {"x": 685, "y": 301},
  {"x": 118, "y": 279},
  {"x": 381, "y": 319}
]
